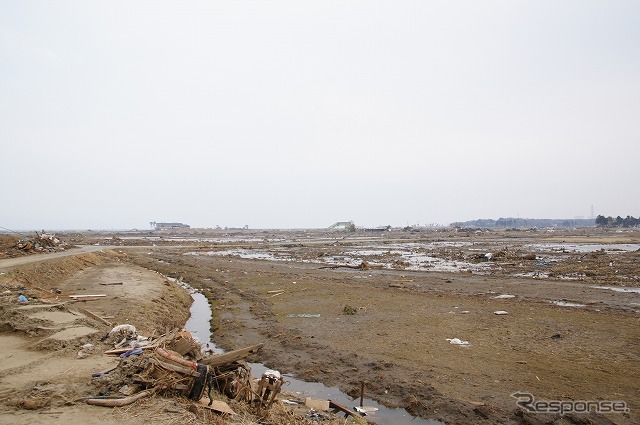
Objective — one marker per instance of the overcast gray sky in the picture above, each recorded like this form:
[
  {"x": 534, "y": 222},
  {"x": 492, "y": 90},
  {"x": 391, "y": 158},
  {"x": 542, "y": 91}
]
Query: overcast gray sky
[{"x": 282, "y": 114}]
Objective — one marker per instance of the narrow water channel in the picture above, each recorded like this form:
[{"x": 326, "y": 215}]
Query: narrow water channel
[{"x": 199, "y": 326}]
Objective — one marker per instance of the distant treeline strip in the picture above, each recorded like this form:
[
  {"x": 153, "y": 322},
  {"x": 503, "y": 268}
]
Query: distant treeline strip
[{"x": 629, "y": 221}]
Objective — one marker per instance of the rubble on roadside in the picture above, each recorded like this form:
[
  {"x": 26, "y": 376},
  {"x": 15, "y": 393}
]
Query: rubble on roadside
[{"x": 41, "y": 242}]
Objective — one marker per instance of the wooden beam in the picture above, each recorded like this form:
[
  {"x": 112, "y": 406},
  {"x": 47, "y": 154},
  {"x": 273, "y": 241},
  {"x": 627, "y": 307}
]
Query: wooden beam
[
  {"x": 356, "y": 417},
  {"x": 231, "y": 356},
  {"x": 94, "y": 316}
]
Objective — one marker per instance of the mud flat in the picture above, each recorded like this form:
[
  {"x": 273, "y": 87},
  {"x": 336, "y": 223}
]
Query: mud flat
[
  {"x": 566, "y": 335},
  {"x": 381, "y": 309}
]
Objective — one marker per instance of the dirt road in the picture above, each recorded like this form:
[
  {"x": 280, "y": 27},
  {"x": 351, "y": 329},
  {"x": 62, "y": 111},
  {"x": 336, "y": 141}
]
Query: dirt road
[
  {"x": 7, "y": 263},
  {"x": 42, "y": 377}
]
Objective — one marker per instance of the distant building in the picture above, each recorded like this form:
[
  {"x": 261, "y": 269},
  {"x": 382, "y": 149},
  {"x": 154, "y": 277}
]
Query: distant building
[{"x": 164, "y": 226}]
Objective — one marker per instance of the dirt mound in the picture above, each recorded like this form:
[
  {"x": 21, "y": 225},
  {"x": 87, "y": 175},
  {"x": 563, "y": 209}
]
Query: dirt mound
[
  {"x": 8, "y": 247},
  {"x": 12, "y": 246}
]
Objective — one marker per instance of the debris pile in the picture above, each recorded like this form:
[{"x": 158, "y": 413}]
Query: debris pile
[
  {"x": 173, "y": 364},
  {"x": 41, "y": 242}
]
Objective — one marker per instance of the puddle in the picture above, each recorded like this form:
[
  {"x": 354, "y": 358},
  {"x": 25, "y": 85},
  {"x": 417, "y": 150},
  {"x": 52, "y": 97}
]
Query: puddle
[
  {"x": 242, "y": 253},
  {"x": 534, "y": 275},
  {"x": 198, "y": 324},
  {"x": 618, "y": 289},
  {"x": 384, "y": 415},
  {"x": 382, "y": 257},
  {"x": 609, "y": 248},
  {"x": 567, "y": 304},
  {"x": 413, "y": 260}
]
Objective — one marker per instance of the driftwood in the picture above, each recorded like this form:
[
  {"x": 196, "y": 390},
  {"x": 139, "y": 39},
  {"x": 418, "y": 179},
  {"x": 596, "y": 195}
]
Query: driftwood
[
  {"x": 119, "y": 402},
  {"x": 230, "y": 357}
]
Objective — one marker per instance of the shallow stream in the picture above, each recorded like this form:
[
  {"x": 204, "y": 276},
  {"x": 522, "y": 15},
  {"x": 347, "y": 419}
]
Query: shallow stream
[{"x": 199, "y": 326}]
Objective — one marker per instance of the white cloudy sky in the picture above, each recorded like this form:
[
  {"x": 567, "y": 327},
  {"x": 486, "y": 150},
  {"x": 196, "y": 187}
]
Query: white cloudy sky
[{"x": 302, "y": 113}]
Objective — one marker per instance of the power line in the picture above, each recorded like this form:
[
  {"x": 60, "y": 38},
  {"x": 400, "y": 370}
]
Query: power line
[{"x": 12, "y": 231}]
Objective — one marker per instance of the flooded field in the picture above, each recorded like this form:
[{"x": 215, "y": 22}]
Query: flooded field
[
  {"x": 485, "y": 254},
  {"x": 554, "y": 314},
  {"x": 441, "y": 326}
]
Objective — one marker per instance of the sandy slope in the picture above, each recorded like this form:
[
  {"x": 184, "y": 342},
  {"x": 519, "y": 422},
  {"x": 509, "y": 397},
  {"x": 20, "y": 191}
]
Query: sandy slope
[{"x": 41, "y": 377}]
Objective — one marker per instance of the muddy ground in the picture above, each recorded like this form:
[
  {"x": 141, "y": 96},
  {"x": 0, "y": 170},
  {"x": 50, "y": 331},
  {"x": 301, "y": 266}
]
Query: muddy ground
[{"x": 566, "y": 335}]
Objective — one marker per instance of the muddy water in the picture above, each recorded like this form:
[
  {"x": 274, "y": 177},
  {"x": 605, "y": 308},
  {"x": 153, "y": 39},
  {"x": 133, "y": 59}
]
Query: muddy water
[
  {"x": 199, "y": 325},
  {"x": 199, "y": 322}
]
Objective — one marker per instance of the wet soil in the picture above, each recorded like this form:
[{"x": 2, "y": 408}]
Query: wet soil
[{"x": 396, "y": 340}]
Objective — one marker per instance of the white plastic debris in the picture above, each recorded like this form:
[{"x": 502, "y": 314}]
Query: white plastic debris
[
  {"x": 126, "y": 330},
  {"x": 366, "y": 410},
  {"x": 504, "y": 296},
  {"x": 500, "y": 312},
  {"x": 273, "y": 374},
  {"x": 458, "y": 341}
]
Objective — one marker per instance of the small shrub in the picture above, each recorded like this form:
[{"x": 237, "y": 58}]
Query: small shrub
[{"x": 349, "y": 310}]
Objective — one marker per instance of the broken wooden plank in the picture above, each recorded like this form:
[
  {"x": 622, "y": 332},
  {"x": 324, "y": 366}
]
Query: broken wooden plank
[
  {"x": 94, "y": 316},
  {"x": 124, "y": 350},
  {"x": 111, "y": 283},
  {"x": 356, "y": 417},
  {"x": 83, "y": 300},
  {"x": 231, "y": 356},
  {"x": 50, "y": 295},
  {"x": 46, "y": 291},
  {"x": 87, "y": 296}
]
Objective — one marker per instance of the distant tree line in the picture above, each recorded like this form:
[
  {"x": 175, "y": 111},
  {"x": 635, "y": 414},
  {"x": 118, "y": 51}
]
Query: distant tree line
[
  {"x": 526, "y": 222},
  {"x": 629, "y": 221}
]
